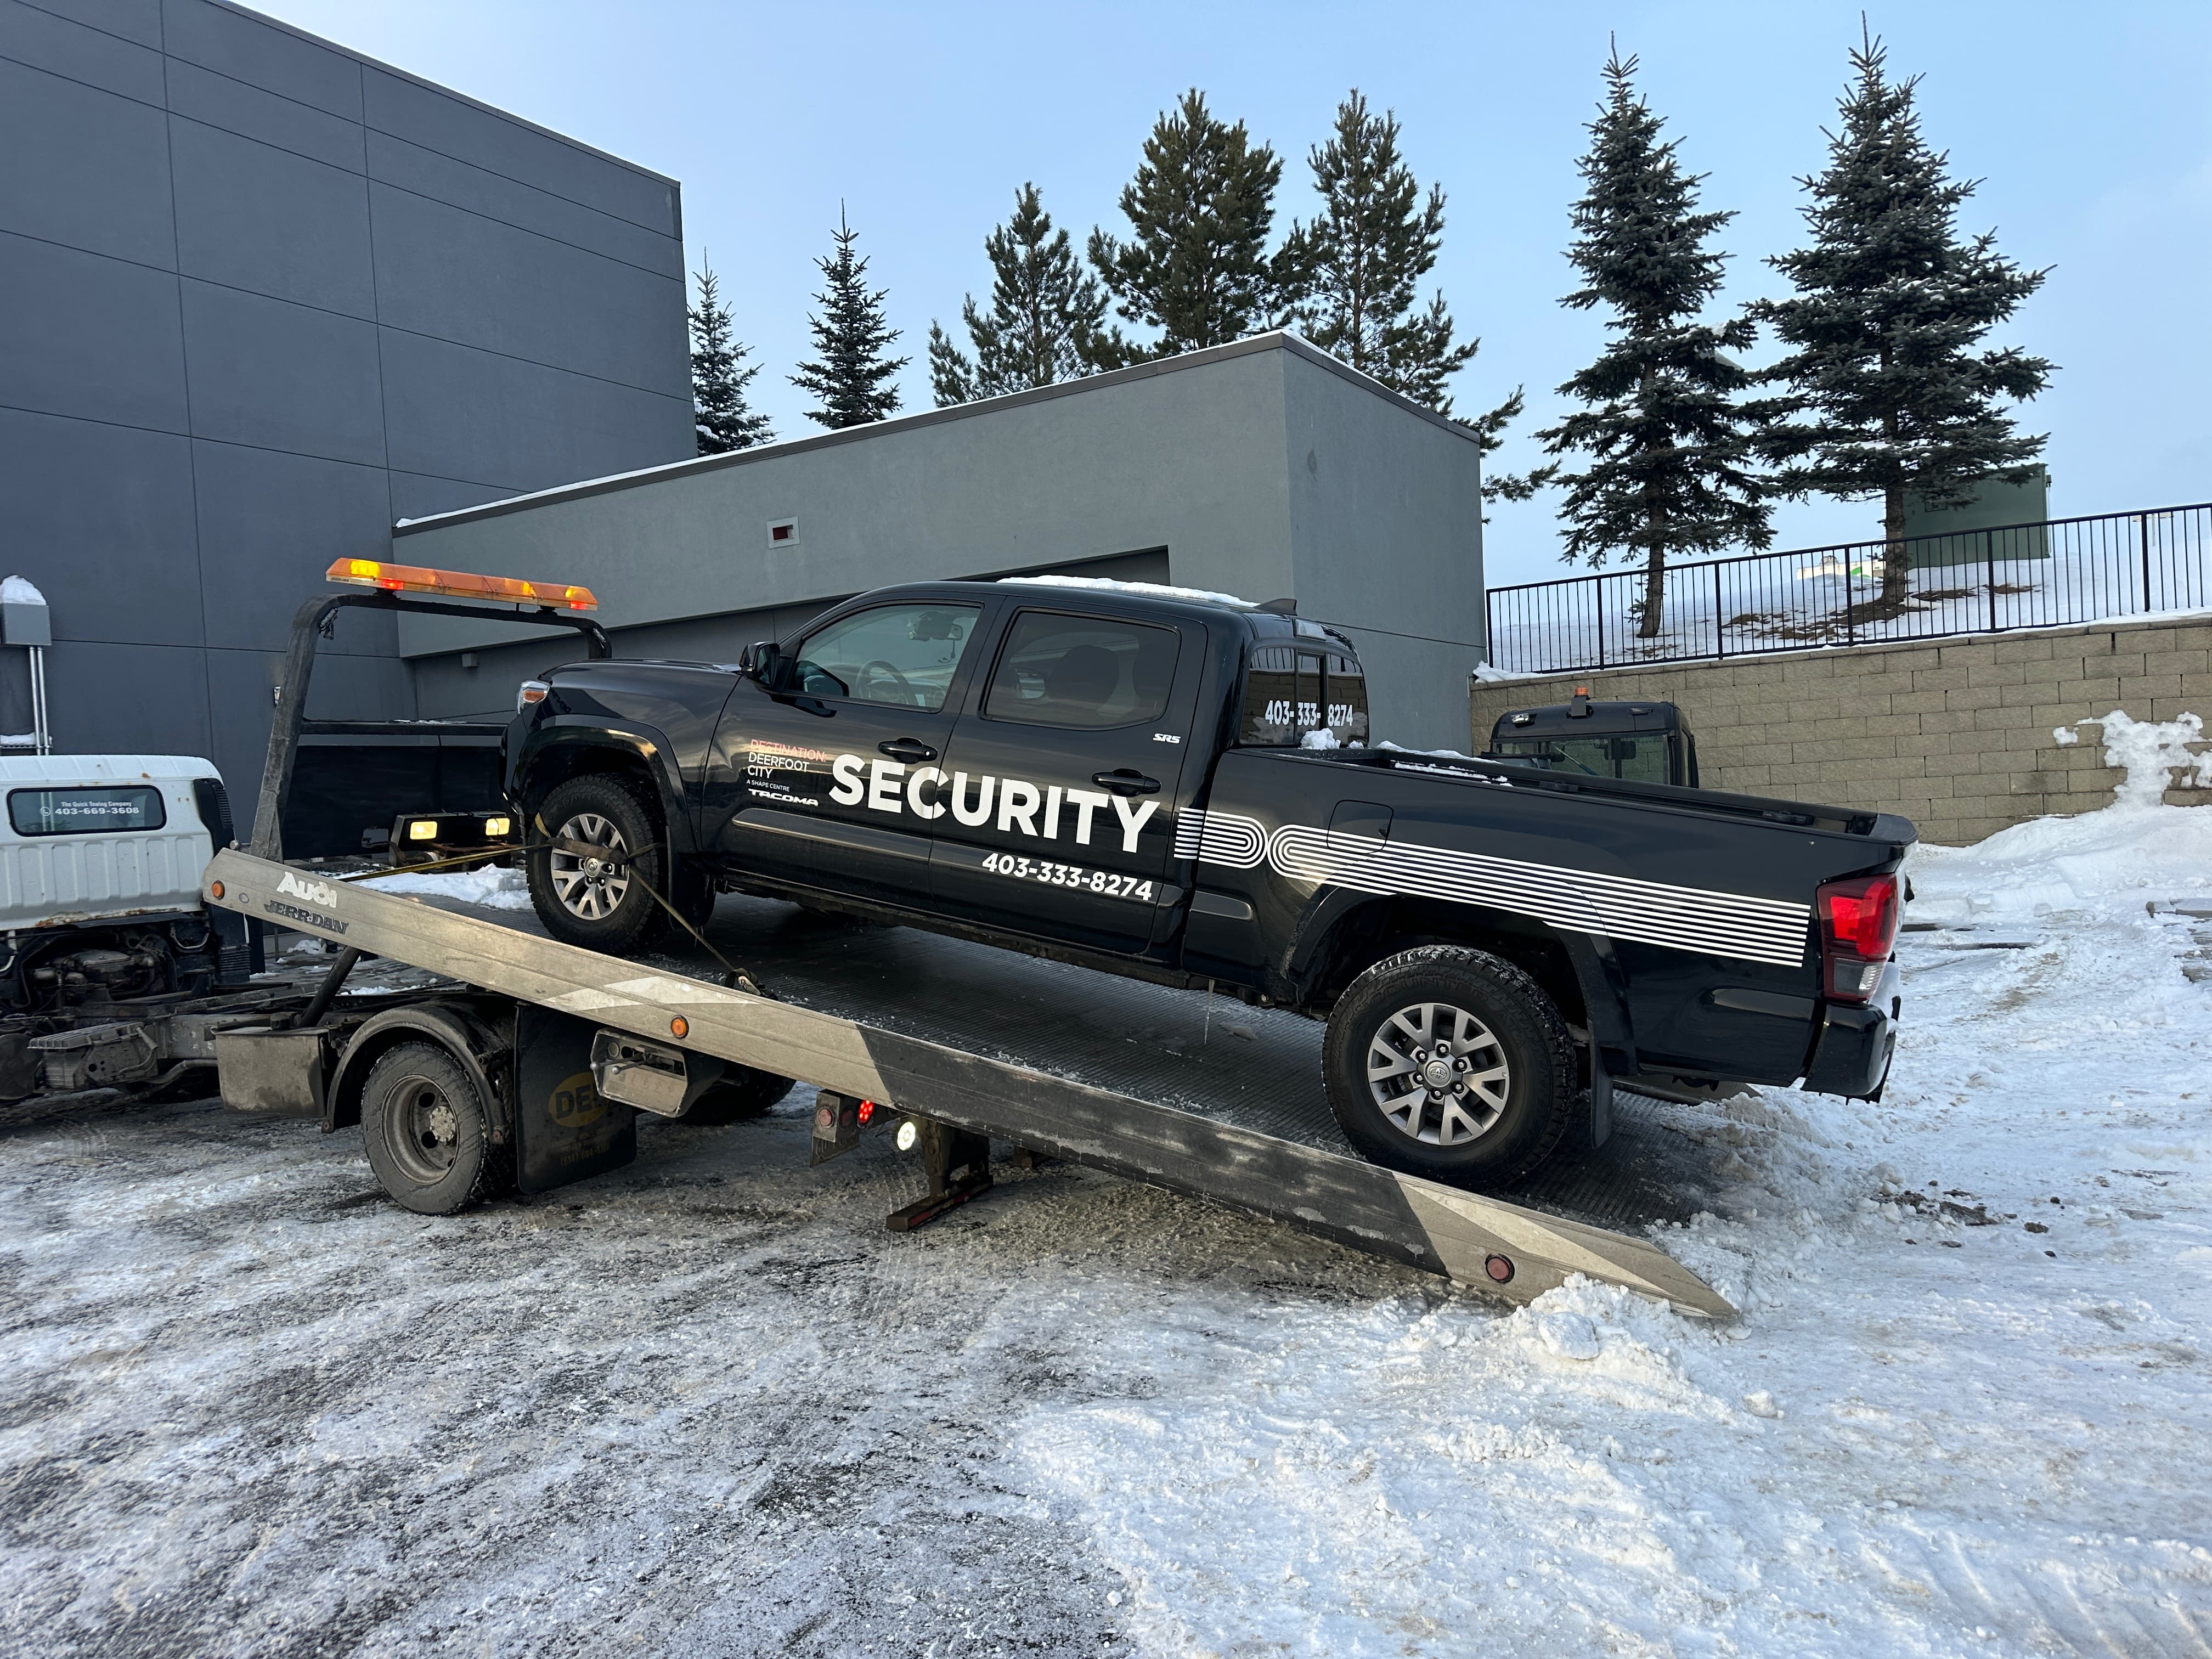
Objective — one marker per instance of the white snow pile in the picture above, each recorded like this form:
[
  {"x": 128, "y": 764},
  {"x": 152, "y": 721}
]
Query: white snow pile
[
  {"x": 1155, "y": 589},
  {"x": 1976, "y": 1346},
  {"x": 493, "y": 888},
  {"x": 18, "y": 590}
]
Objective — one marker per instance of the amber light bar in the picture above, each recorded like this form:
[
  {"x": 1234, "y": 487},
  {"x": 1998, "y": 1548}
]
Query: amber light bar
[{"x": 460, "y": 584}]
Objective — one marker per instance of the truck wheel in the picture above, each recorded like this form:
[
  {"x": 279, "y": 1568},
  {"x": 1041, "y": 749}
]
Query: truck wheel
[
  {"x": 599, "y": 903},
  {"x": 1450, "y": 1063},
  {"x": 742, "y": 1093},
  {"x": 427, "y": 1131}
]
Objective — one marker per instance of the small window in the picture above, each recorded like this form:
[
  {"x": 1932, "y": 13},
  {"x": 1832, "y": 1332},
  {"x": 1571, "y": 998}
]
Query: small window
[
  {"x": 85, "y": 811},
  {"x": 1291, "y": 692},
  {"x": 1087, "y": 672},
  {"x": 903, "y": 656}
]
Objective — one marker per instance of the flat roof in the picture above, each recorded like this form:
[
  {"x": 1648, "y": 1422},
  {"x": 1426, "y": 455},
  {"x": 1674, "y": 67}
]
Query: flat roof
[{"x": 1277, "y": 340}]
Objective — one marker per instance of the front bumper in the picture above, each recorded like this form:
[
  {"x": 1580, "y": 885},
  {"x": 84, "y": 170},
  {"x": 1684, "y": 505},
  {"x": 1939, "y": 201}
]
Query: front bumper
[{"x": 1851, "y": 1055}]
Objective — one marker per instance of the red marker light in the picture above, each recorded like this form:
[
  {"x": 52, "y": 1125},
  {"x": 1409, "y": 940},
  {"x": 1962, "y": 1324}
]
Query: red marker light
[
  {"x": 1499, "y": 1267},
  {"x": 868, "y": 1110},
  {"x": 679, "y": 1026}
]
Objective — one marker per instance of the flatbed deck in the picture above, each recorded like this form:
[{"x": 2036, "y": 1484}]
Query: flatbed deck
[{"x": 1202, "y": 1095}]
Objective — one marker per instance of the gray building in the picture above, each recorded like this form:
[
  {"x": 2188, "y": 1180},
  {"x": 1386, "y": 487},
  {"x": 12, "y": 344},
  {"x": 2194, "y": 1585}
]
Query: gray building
[
  {"x": 259, "y": 297},
  {"x": 1264, "y": 469}
]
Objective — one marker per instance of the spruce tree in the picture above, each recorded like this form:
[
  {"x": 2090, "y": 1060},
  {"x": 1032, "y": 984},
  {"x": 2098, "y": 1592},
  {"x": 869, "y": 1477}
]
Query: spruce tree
[
  {"x": 1351, "y": 276},
  {"x": 720, "y": 375},
  {"x": 1892, "y": 397},
  {"x": 1043, "y": 324},
  {"x": 1671, "y": 445},
  {"x": 1196, "y": 266},
  {"x": 850, "y": 371}
]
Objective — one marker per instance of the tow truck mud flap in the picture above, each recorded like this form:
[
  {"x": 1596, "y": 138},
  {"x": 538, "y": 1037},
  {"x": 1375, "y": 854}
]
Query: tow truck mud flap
[
  {"x": 565, "y": 1129},
  {"x": 569, "y": 992}
]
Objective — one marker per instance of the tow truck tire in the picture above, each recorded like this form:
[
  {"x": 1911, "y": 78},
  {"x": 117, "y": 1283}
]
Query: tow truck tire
[
  {"x": 742, "y": 1094},
  {"x": 427, "y": 1131},
  {"x": 1451, "y": 1063},
  {"x": 609, "y": 911}
]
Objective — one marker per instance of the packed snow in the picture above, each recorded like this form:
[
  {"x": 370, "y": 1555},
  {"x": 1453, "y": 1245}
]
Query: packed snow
[
  {"x": 491, "y": 887},
  {"x": 19, "y": 590},
  {"x": 706, "y": 1404}
]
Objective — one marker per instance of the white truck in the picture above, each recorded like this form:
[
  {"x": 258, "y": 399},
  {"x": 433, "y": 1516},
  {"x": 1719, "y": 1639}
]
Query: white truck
[{"x": 115, "y": 973}]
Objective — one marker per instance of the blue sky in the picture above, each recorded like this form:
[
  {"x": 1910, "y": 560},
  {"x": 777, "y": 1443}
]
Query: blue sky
[{"x": 2091, "y": 126}]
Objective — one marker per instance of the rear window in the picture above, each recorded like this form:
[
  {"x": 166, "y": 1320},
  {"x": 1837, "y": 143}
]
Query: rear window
[
  {"x": 85, "y": 811},
  {"x": 1640, "y": 759},
  {"x": 1291, "y": 691}
]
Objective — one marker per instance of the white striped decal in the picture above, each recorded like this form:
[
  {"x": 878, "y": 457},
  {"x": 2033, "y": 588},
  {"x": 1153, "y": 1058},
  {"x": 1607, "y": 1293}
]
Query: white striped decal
[{"x": 1582, "y": 900}]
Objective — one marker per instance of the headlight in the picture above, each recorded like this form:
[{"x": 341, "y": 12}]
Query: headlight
[{"x": 422, "y": 830}]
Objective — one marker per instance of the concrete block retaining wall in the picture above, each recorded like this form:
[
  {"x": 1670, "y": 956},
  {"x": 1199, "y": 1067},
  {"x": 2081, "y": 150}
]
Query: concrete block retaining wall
[{"x": 1955, "y": 734}]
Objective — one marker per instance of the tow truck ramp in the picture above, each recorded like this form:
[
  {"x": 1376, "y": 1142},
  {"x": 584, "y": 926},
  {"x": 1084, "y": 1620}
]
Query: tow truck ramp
[{"x": 571, "y": 1007}]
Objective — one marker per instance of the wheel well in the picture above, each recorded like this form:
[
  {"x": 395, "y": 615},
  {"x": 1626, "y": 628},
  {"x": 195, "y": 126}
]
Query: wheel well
[
  {"x": 559, "y": 762},
  {"x": 1373, "y": 932}
]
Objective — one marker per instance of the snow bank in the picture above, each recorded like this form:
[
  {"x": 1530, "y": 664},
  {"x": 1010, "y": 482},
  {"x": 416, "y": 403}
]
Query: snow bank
[
  {"x": 2108, "y": 862},
  {"x": 493, "y": 888}
]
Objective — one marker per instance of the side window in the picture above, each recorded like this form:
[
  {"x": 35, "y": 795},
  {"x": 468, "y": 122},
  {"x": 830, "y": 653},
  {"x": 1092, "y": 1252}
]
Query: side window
[
  {"x": 1345, "y": 695},
  {"x": 1290, "y": 692},
  {"x": 901, "y": 656},
  {"x": 1088, "y": 672}
]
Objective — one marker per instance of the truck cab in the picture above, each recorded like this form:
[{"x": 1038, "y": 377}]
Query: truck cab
[{"x": 1639, "y": 742}]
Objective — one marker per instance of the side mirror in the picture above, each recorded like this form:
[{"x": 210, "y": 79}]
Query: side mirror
[{"x": 760, "y": 660}]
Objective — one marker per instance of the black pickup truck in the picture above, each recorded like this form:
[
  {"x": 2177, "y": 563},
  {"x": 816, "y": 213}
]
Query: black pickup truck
[{"x": 1183, "y": 789}]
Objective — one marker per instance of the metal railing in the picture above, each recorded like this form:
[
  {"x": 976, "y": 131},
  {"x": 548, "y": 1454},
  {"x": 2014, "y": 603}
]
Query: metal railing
[{"x": 2044, "y": 575}]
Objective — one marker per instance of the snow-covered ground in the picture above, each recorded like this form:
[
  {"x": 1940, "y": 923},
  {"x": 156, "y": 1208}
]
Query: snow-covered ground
[{"x": 706, "y": 1406}]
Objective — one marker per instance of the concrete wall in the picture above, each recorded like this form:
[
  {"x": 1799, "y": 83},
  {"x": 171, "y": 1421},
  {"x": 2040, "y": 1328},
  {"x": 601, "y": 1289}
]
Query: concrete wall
[
  {"x": 259, "y": 297},
  {"x": 1955, "y": 734},
  {"x": 1262, "y": 469}
]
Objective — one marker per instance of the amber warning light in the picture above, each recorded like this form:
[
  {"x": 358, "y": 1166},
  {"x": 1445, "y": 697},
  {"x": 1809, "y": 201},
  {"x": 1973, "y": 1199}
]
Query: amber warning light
[{"x": 460, "y": 584}]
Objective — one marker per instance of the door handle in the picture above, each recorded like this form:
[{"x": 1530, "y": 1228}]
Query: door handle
[
  {"x": 913, "y": 751},
  {"x": 1124, "y": 781}
]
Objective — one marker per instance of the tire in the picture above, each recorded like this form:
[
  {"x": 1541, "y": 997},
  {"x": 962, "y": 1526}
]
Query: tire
[
  {"x": 742, "y": 1094},
  {"x": 427, "y": 1131},
  {"x": 601, "y": 908},
  {"x": 1509, "y": 1094}
]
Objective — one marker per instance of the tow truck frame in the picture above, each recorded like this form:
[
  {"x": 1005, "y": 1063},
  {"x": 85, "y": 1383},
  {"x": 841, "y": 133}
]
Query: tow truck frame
[{"x": 541, "y": 1026}]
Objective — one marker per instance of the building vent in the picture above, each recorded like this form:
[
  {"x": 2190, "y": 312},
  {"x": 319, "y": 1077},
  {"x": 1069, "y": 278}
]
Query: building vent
[{"x": 782, "y": 532}]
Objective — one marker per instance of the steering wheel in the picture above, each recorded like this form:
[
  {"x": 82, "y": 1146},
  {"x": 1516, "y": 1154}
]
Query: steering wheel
[{"x": 880, "y": 670}]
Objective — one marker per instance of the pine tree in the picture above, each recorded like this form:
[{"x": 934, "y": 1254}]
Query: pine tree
[
  {"x": 1196, "y": 266},
  {"x": 849, "y": 371},
  {"x": 720, "y": 375},
  {"x": 1044, "y": 321},
  {"x": 1349, "y": 277},
  {"x": 1671, "y": 444},
  {"x": 1890, "y": 396}
]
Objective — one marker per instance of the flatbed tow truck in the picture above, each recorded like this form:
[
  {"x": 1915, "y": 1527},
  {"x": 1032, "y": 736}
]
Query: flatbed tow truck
[{"x": 550, "y": 1052}]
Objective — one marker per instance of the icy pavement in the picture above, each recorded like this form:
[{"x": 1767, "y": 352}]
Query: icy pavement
[{"x": 707, "y": 1406}]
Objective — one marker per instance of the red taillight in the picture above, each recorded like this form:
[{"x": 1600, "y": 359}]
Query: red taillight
[
  {"x": 1858, "y": 928},
  {"x": 868, "y": 1110}
]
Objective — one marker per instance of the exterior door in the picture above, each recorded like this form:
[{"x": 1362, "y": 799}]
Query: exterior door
[
  {"x": 821, "y": 769},
  {"x": 1065, "y": 778}
]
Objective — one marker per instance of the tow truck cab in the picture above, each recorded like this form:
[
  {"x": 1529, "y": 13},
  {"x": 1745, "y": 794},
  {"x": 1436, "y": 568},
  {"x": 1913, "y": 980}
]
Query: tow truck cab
[{"x": 1641, "y": 742}]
